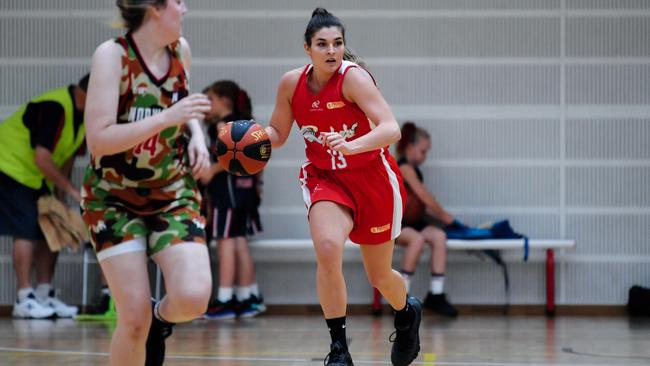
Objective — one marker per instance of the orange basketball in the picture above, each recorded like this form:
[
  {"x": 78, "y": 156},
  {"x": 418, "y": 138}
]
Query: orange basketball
[{"x": 243, "y": 147}]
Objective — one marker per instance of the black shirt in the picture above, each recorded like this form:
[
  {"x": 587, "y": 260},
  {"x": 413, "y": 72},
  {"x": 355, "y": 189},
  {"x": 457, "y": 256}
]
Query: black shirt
[
  {"x": 45, "y": 121},
  {"x": 417, "y": 169}
]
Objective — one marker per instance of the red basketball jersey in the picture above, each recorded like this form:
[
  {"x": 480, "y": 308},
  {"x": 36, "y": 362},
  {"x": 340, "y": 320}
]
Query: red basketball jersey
[{"x": 329, "y": 111}]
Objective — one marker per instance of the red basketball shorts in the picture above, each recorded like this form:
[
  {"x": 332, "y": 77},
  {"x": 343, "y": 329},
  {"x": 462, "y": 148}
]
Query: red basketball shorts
[{"x": 375, "y": 194}]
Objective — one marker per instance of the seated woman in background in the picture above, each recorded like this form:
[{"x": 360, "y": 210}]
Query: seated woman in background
[
  {"x": 234, "y": 212},
  {"x": 416, "y": 229}
]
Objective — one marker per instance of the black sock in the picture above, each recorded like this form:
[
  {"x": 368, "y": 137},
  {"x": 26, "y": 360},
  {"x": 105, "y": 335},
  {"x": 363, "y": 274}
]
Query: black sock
[
  {"x": 336, "y": 327},
  {"x": 404, "y": 317}
]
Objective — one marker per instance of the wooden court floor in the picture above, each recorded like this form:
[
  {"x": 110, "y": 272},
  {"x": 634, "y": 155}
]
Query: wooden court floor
[{"x": 303, "y": 340}]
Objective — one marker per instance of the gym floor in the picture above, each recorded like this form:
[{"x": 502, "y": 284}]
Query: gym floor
[{"x": 303, "y": 340}]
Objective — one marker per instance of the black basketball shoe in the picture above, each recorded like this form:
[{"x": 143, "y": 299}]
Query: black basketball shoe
[
  {"x": 439, "y": 304},
  {"x": 158, "y": 332},
  {"x": 338, "y": 356},
  {"x": 406, "y": 338}
]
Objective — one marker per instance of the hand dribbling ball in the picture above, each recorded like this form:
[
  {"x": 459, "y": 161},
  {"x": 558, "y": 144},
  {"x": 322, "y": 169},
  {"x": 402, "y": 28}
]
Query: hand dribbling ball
[{"x": 243, "y": 147}]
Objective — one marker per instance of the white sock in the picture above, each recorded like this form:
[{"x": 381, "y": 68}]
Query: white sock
[
  {"x": 255, "y": 291},
  {"x": 407, "y": 281},
  {"x": 24, "y": 292},
  {"x": 156, "y": 313},
  {"x": 43, "y": 290},
  {"x": 225, "y": 294},
  {"x": 243, "y": 293},
  {"x": 106, "y": 291},
  {"x": 437, "y": 285}
]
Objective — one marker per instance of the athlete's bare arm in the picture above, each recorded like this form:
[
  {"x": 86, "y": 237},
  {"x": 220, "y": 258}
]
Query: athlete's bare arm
[
  {"x": 104, "y": 135},
  {"x": 359, "y": 88},
  {"x": 193, "y": 124},
  {"x": 58, "y": 176},
  {"x": 282, "y": 118}
]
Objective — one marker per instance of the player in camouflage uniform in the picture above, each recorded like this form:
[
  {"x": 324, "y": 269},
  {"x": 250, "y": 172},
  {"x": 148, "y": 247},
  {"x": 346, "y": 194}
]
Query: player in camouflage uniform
[{"x": 140, "y": 197}]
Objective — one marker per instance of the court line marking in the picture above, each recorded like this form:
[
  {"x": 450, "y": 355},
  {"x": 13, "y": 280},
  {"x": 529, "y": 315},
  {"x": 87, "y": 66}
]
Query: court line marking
[
  {"x": 571, "y": 351},
  {"x": 271, "y": 359}
]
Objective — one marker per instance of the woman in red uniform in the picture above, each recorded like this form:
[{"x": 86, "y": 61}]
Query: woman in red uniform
[{"x": 351, "y": 185}]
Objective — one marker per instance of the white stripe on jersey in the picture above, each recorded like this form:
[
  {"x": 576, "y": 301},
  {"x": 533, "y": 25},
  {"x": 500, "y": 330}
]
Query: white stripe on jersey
[
  {"x": 306, "y": 195},
  {"x": 396, "y": 227}
]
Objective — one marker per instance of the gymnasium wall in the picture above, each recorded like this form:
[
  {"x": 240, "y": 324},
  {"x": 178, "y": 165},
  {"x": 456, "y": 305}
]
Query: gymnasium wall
[{"x": 539, "y": 111}]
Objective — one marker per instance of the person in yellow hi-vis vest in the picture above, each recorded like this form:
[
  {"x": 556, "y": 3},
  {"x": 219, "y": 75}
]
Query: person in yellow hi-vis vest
[{"x": 38, "y": 144}]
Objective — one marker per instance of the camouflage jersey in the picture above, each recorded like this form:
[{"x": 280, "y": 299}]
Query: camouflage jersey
[{"x": 148, "y": 176}]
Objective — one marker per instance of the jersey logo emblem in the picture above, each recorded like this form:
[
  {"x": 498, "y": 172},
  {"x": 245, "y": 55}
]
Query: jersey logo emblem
[
  {"x": 335, "y": 105},
  {"x": 379, "y": 229},
  {"x": 315, "y": 104},
  {"x": 311, "y": 134}
]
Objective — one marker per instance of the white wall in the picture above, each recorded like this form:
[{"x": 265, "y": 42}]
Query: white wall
[{"x": 539, "y": 111}]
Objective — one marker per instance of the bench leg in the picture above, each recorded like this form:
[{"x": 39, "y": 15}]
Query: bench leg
[
  {"x": 550, "y": 283},
  {"x": 84, "y": 278}
]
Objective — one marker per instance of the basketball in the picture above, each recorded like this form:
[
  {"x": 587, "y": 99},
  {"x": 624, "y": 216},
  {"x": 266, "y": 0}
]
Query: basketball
[{"x": 243, "y": 147}]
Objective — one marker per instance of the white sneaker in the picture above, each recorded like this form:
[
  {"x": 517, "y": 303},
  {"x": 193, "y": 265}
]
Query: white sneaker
[
  {"x": 61, "y": 309},
  {"x": 30, "y": 308}
]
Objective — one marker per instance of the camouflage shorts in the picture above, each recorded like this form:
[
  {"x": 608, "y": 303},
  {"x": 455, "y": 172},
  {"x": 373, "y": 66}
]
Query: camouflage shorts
[{"x": 150, "y": 219}]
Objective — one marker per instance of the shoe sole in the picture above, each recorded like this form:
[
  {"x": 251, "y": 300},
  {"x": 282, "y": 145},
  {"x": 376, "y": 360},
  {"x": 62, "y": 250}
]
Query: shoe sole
[
  {"x": 27, "y": 317},
  {"x": 248, "y": 314},
  {"x": 66, "y": 316},
  {"x": 220, "y": 317},
  {"x": 260, "y": 309}
]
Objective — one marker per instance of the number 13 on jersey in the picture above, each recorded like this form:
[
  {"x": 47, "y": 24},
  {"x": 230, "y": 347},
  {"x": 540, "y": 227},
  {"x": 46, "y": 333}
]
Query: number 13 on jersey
[{"x": 338, "y": 159}]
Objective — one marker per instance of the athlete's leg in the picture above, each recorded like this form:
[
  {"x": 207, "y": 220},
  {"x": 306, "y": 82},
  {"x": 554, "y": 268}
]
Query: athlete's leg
[
  {"x": 45, "y": 261},
  {"x": 377, "y": 260},
  {"x": 437, "y": 239},
  {"x": 223, "y": 227},
  {"x": 188, "y": 281},
  {"x": 330, "y": 225},
  {"x": 227, "y": 260},
  {"x": 129, "y": 283},
  {"x": 23, "y": 258},
  {"x": 245, "y": 265},
  {"x": 413, "y": 242}
]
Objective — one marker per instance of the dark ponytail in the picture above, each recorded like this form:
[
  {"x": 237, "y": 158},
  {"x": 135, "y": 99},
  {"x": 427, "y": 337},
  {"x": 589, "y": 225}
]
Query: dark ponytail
[
  {"x": 132, "y": 11},
  {"x": 349, "y": 55},
  {"x": 242, "y": 105},
  {"x": 411, "y": 134},
  {"x": 321, "y": 18}
]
